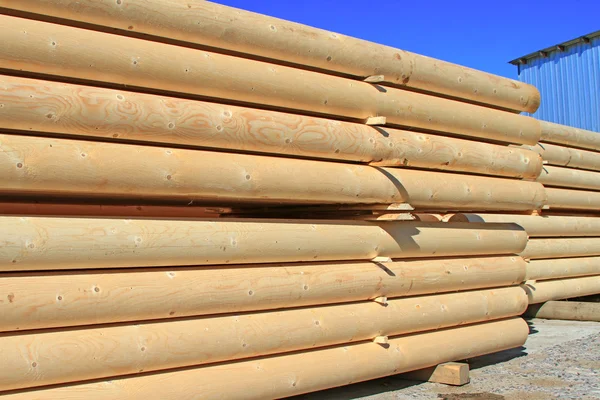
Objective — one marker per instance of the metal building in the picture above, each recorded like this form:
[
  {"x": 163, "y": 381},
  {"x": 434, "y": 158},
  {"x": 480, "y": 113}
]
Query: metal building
[{"x": 568, "y": 78}]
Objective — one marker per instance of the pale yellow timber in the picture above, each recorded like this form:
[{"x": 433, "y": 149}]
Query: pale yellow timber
[
  {"x": 567, "y": 310},
  {"x": 57, "y": 50},
  {"x": 57, "y": 299},
  {"x": 561, "y": 247},
  {"x": 43, "y": 166},
  {"x": 567, "y": 156},
  {"x": 539, "y": 225},
  {"x": 59, "y": 108},
  {"x": 542, "y": 291},
  {"x": 563, "y": 268},
  {"x": 208, "y": 24},
  {"x": 99, "y": 352},
  {"x": 569, "y": 136},
  {"x": 572, "y": 199},
  {"x": 108, "y": 210},
  {"x": 569, "y": 178},
  {"x": 45, "y": 243},
  {"x": 290, "y": 374},
  {"x": 451, "y": 373}
]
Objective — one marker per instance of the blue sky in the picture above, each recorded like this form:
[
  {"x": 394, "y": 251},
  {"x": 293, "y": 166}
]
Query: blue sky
[{"x": 479, "y": 34}]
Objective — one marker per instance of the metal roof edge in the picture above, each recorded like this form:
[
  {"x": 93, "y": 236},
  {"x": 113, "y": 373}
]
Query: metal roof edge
[{"x": 557, "y": 47}]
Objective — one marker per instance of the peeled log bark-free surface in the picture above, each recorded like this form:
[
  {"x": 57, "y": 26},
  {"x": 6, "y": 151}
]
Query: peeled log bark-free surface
[
  {"x": 569, "y": 178},
  {"x": 44, "y": 166},
  {"x": 543, "y": 291},
  {"x": 45, "y": 243},
  {"x": 99, "y": 352},
  {"x": 569, "y": 136},
  {"x": 567, "y": 156},
  {"x": 567, "y": 310},
  {"x": 291, "y": 374},
  {"x": 563, "y": 268},
  {"x": 57, "y": 50},
  {"x": 58, "y": 299},
  {"x": 106, "y": 210},
  {"x": 60, "y": 108},
  {"x": 567, "y": 199},
  {"x": 561, "y": 247},
  {"x": 539, "y": 225},
  {"x": 232, "y": 29}
]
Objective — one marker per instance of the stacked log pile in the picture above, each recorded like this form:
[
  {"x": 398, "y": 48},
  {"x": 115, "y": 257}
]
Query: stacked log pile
[
  {"x": 564, "y": 246},
  {"x": 201, "y": 202}
]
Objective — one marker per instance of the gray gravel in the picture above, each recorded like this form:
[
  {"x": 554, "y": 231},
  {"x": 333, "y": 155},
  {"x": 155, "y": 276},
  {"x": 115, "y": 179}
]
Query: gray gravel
[{"x": 561, "y": 360}]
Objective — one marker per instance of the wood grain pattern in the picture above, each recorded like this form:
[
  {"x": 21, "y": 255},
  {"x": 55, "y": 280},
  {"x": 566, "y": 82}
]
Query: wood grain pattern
[
  {"x": 99, "y": 352},
  {"x": 297, "y": 373},
  {"x": 539, "y": 225},
  {"x": 569, "y": 178},
  {"x": 56, "y": 50},
  {"x": 59, "y": 299},
  {"x": 569, "y": 136},
  {"x": 42, "y": 166},
  {"x": 215, "y": 25},
  {"x": 559, "y": 289},
  {"x": 59, "y": 108},
  {"x": 46, "y": 243},
  {"x": 563, "y": 268},
  {"x": 567, "y": 156},
  {"x": 561, "y": 247}
]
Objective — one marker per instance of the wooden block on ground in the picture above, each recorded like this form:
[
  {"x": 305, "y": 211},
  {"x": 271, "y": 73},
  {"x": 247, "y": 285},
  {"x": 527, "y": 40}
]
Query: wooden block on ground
[
  {"x": 451, "y": 373},
  {"x": 567, "y": 310}
]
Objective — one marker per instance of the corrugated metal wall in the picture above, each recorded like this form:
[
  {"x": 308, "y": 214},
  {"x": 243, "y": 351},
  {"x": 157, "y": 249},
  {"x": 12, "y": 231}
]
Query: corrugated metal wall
[{"x": 569, "y": 83}]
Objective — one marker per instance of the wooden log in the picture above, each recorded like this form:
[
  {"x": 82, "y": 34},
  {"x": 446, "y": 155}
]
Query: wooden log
[
  {"x": 569, "y": 178},
  {"x": 567, "y": 199},
  {"x": 539, "y": 225},
  {"x": 58, "y": 299},
  {"x": 540, "y": 292},
  {"x": 539, "y": 248},
  {"x": 296, "y": 373},
  {"x": 249, "y": 34},
  {"x": 52, "y": 49},
  {"x": 451, "y": 373},
  {"x": 567, "y": 310},
  {"x": 567, "y": 156},
  {"x": 562, "y": 268},
  {"x": 106, "y": 210},
  {"x": 45, "y": 166},
  {"x": 569, "y": 136},
  {"x": 100, "y": 352},
  {"x": 46, "y": 243},
  {"x": 59, "y": 108}
]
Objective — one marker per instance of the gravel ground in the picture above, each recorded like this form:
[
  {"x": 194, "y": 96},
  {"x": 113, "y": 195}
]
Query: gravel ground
[{"x": 561, "y": 360}]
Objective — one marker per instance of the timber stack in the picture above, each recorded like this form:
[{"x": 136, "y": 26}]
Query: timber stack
[
  {"x": 563, "y": 252},
  {"x": 203, "y": 202}
]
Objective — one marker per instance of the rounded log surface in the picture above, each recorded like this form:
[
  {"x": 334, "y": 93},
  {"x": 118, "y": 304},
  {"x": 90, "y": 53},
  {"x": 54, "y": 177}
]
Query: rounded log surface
[
  {"x": 56, "y": 50},
  {"x": 43, "y": 166},
  {"x": 543, "y": 291},
  {"x": 569, "y": 136},
  {"x": 60, "y": 108},
  {"x": 539, "y": 225},
  {"x": 99, "y": 352},
  {"x": 567, "y": 199},
  {"x": 569, "y": 178},
  {"x": 563, "y": 268},
  {"x": 58, "y": 299},
  {"x": 46, "y": 243},
  {"x": 567, "y": 156},
  {"x": 218, "y": 26},
  {"x": 291, "y": 374},
  {"x": 561, "y": 247}
]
